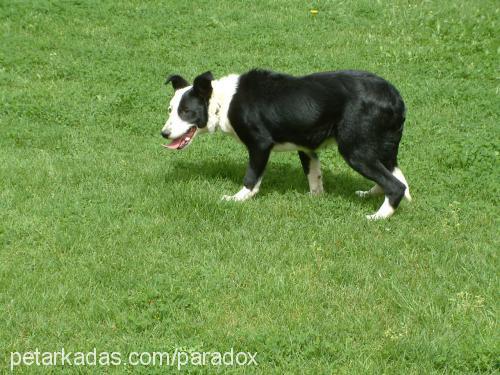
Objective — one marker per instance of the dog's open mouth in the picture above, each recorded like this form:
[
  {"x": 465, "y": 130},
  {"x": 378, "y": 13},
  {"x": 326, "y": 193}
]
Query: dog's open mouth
[{"x": 183, "y": 140}]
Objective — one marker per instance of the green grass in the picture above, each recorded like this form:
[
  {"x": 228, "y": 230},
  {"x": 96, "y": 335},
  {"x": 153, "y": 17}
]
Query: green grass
[{"x": 107, "y": 240}]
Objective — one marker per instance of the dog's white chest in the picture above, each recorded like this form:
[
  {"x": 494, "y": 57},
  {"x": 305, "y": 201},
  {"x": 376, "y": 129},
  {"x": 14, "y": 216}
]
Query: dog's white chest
[{"x": 287, "y": 146}]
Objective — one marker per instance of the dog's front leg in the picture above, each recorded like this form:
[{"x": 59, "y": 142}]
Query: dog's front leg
[
  {"x": 257, "y": 164},
  {"x": 312, "y": 169}
]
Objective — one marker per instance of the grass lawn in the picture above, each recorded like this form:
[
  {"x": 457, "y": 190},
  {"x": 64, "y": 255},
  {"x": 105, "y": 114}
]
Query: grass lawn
[{"x": 109, "y": 241}]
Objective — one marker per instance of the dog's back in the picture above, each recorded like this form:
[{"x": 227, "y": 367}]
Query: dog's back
[{"x": 310, "y": 109}]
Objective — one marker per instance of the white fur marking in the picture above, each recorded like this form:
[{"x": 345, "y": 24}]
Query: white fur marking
[
  {"x": 222, "y": 94},
  {"x": 287, "y": 146},
  {"x": 314, "y": 177},
  {"x": 243, "y": 194},
  {"x": 218, "y": 107},
  {"x": 383, "y": 212},
  {"x": 240, "y": 196},
  {"x": 399, "y": 175},
  {"x": 375, "y": 190},
  {"x": 174, "y": 124}
]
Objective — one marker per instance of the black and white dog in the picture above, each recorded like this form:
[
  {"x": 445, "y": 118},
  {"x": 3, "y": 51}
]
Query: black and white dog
[{"x": 268, "y": 111}]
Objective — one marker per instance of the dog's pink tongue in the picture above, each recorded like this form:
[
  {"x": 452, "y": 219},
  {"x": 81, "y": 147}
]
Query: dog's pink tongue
[{"x": 175, "y": 143}]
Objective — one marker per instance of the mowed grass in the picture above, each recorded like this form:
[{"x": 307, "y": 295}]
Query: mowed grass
[{"x": 109, "y": 241}]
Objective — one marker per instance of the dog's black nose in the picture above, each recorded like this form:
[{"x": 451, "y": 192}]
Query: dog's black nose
[{"x": 165, "y": 133}]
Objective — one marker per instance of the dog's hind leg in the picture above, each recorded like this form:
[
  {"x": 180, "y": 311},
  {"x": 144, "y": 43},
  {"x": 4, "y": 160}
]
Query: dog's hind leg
[
  {"x": 377, "y": 190},
  {"x": 312, "y": 169},
  {"x": 257, "y": 164},
  {"x": 387, "y": 209},
  {"x": 399, "y": 175},
  {"x": 393, "y": 188}
]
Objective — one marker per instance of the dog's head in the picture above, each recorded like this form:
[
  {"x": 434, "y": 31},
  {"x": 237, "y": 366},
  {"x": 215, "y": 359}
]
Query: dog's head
[{"x": 188, "y": 109}]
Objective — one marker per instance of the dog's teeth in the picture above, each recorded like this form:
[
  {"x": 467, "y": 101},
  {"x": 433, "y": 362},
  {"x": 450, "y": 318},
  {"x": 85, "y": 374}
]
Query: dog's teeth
[{"x": 188, "y": 139}]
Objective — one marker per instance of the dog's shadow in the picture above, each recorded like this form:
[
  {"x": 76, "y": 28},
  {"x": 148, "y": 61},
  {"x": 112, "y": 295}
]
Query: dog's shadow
[{"x": 279, "y": 177}]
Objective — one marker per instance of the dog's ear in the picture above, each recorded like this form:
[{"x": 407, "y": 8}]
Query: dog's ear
[
  {"x": 177, "y": 82},
  {"x": 202, "y": 85}
]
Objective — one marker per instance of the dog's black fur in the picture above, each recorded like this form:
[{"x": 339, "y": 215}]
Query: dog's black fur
[{"x": 361, "y": 112}]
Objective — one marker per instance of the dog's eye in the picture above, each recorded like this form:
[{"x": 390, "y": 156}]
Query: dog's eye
[{"x": 186, "y": 112}]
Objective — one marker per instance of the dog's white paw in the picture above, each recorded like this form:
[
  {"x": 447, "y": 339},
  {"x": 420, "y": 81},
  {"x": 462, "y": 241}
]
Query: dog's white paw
[
  {"x": 241, "y": 195},
  {"x": 377, "y": 216},
  {"x": 317, "y": 190},
  {"x": 385, "y": 211},
  {"x": 362, "y": 193},
  {"x": 232, "y": 198},
  {"x": 374, "y": 191}
]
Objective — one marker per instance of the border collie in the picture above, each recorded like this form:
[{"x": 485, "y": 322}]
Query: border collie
[{"x": 267, "y": 111}]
